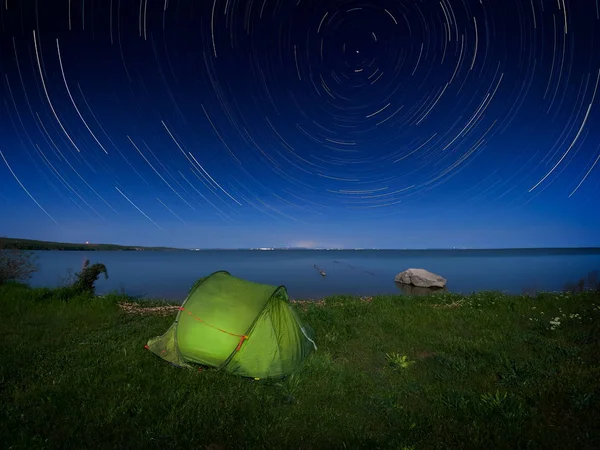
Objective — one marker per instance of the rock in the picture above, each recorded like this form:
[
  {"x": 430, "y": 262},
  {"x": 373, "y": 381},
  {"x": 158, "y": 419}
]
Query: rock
[
  {"x": 409, "y": 289},
  {"x": 420, "y": 278}
]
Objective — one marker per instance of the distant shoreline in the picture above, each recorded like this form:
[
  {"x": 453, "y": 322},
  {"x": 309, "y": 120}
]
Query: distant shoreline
[{"x": 31, "y": 244}]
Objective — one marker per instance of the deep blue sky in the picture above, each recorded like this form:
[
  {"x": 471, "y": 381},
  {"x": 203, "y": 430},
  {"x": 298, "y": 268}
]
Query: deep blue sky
[{"x": 230, "y": 123}]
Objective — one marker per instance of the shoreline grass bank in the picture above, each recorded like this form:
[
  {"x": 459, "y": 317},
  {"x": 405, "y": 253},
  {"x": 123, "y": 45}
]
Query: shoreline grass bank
[{"x": 395, "y": 371}]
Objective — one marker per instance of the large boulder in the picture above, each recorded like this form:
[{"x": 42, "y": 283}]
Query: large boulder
[
  {"x": 409, "y": 289},
  {"x": 420, "y": 278}
]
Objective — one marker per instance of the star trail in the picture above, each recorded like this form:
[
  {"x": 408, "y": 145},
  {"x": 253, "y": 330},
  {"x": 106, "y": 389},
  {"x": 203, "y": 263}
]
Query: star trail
[{"x": 233, "y": 123}]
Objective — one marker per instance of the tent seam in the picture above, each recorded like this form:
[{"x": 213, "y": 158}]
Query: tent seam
[{"x": 249, "y": 330}]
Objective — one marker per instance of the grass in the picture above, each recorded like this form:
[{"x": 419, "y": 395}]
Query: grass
[{"x": 399, "y": 372}]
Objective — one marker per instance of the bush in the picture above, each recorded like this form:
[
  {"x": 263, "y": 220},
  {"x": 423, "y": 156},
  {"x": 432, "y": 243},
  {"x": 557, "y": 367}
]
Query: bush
[
  {"x": 88, "y": 276},
  {"x": 16, "y": 265},
  {"x": 591, "y": 284}
]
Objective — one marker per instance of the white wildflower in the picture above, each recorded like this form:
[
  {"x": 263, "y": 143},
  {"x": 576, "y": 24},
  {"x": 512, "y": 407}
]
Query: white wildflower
[{"x": 555, "y": 323}]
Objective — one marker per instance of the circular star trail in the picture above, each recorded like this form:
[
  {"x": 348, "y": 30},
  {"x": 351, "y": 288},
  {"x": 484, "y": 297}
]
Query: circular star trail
[{"x": 175, "y": 112}]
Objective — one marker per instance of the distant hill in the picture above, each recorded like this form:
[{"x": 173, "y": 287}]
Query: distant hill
[{"x": 30, "y": 244}]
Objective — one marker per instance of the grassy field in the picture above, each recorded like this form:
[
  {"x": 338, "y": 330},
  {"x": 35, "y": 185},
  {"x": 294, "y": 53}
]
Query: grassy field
[{"x": 397, "y": 372}]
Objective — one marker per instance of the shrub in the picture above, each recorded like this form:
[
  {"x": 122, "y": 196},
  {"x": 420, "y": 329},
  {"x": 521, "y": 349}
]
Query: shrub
[
  {"x": 592, "y": 284},
  {"x": 16, "y": 265},
  {"x": 88, "y": 276}
]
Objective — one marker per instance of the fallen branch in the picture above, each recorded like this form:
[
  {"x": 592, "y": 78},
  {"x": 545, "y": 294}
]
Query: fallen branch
[
  {"x": 134, "y": 308},
  {"x": 322, "y": 272}
]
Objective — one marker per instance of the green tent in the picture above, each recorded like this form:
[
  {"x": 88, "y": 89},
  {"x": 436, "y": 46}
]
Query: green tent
[{"x": 243, "y": 327}]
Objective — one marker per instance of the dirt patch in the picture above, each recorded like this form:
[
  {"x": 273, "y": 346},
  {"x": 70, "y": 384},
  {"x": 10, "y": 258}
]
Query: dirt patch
[
  {"x": 134, "y": 308},
  {"x": 303, "y": 304},
  {"x": 454, "y": 304}
]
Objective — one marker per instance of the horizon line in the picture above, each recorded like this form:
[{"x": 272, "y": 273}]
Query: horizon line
[{"x": 306, "y": 248}]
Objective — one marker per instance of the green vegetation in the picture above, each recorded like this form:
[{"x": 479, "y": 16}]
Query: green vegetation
[
  {"x": 88, "y": 276},
  {"x": 591, "y": 282},
  {"x": 441, "y": 371},
  {"x": 29, "y": 244},
  {"x": 15, "y": 264}
]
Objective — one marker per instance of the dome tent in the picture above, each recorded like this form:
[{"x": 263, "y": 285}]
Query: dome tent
[{"x": 240, "y": 326}]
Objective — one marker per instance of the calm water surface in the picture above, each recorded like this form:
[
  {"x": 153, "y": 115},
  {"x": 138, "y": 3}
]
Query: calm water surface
[{"x": 171, "y": 274}]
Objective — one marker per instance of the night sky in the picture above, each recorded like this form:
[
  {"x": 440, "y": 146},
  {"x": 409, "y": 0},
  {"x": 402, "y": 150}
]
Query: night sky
[{"x": 318, "y": 123}]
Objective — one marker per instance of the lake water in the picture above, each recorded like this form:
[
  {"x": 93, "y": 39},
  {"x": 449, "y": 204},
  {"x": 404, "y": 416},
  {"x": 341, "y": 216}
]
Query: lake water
[{"x": 365, "y": 272}]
